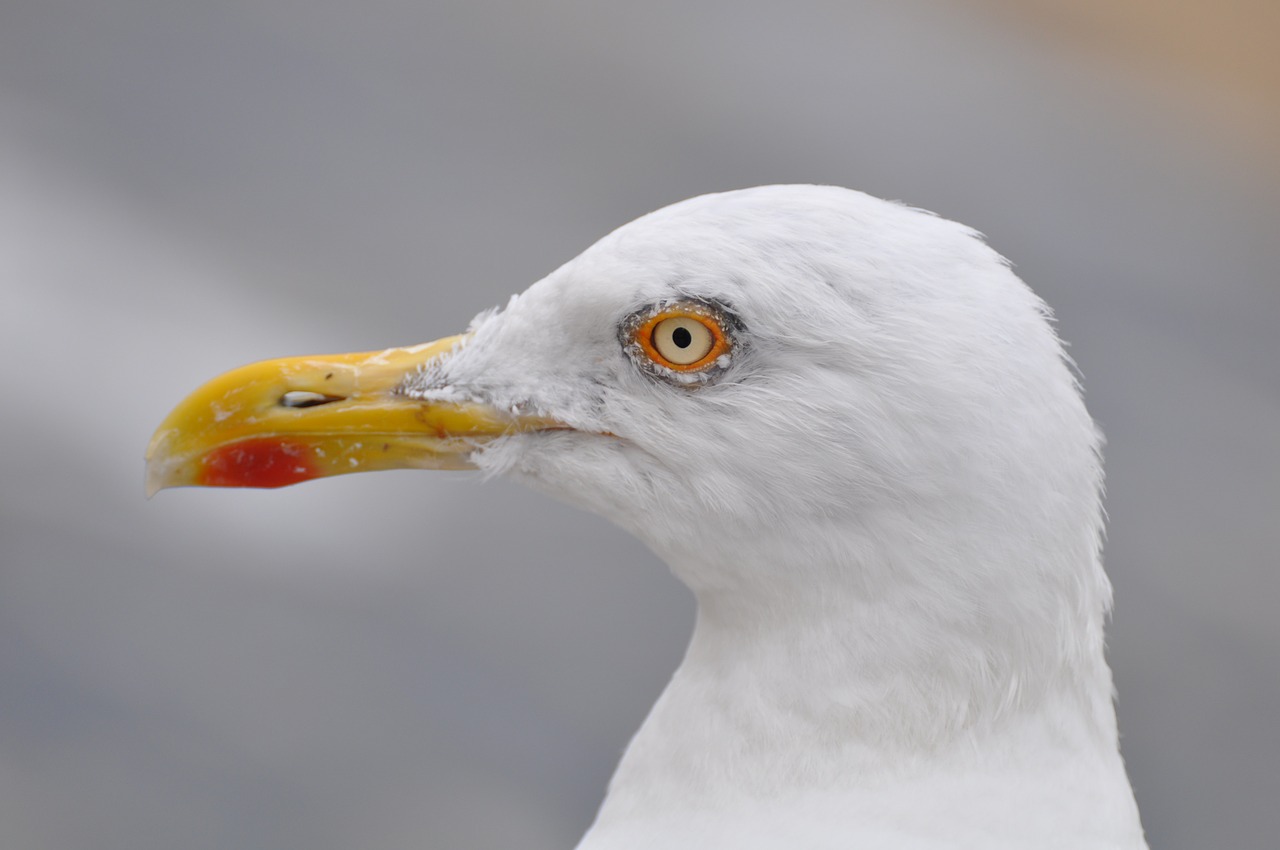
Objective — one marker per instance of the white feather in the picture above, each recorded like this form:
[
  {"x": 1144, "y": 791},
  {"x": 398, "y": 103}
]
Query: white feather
[{"x": 887, "y": 507}]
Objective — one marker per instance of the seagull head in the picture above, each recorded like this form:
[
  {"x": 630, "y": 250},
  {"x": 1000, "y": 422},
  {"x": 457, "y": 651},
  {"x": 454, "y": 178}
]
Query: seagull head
[{"x": 789, "y": 393}]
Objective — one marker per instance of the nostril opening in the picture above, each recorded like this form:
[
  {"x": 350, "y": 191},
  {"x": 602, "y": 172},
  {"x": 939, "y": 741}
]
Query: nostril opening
[{"x": 302, "y": 398}]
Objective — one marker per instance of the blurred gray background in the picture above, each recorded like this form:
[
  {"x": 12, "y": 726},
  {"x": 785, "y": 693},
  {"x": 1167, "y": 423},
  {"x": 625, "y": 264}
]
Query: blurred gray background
[{"x": 412, "y": 660}]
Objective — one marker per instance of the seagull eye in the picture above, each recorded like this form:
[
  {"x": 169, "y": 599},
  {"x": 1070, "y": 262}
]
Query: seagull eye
[
  {"x": 684, "y": 338},
  {"x": 682, "y": 341}
]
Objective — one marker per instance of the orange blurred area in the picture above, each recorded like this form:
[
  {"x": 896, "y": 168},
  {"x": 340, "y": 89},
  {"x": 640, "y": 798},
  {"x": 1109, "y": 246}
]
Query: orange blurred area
[{"x": 1218, "y": 60}]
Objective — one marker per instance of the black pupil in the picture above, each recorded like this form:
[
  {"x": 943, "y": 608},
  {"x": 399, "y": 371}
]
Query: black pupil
[{"x": 681, "y": 337}]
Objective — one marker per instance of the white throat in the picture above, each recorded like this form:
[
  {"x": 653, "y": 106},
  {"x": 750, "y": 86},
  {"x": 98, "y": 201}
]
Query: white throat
[{"x": 861, "y": 713}]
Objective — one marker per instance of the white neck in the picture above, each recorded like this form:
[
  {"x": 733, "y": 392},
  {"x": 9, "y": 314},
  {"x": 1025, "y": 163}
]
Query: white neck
[{"x": 880, "y": 710}]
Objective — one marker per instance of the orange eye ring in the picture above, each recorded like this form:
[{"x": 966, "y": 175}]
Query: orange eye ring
[{"x": 695, "y": 316}]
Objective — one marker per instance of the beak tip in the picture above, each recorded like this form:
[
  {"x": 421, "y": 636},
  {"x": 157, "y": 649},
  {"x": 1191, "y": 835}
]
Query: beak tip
[
  {"x": 158, "y": 462},
  {"x": 158, "y": 476}
]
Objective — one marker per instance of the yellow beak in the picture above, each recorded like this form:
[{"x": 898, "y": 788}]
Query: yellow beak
[{"x": 279, "y": 422}]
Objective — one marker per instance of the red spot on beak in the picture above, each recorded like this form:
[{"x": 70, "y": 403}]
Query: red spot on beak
[{"x": 264, "y": 462}]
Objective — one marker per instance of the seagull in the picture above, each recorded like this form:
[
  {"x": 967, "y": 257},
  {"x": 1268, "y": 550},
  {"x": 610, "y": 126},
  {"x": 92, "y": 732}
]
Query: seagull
[{"x": 852, "y": 431}]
